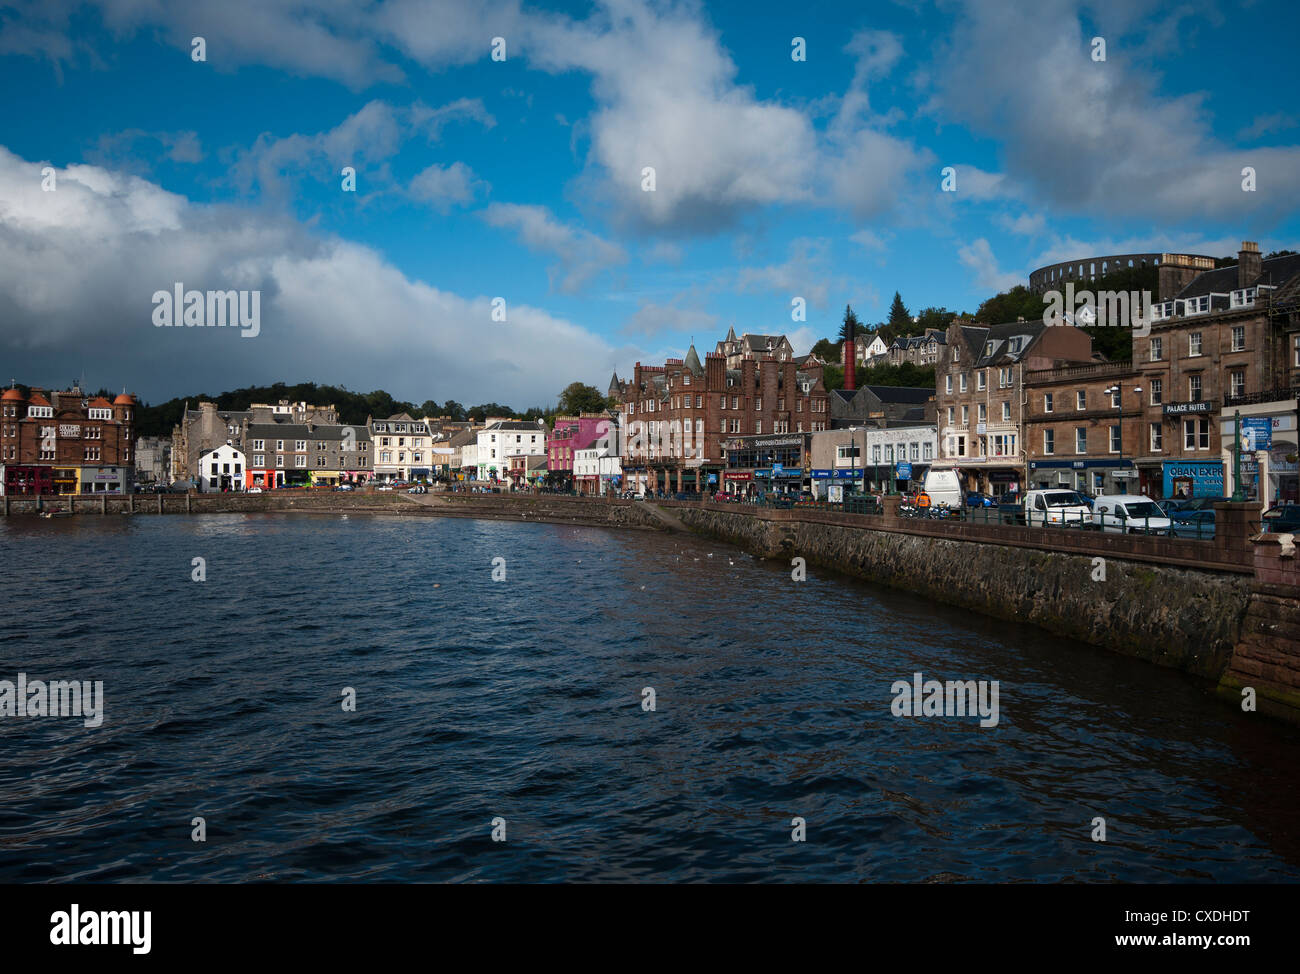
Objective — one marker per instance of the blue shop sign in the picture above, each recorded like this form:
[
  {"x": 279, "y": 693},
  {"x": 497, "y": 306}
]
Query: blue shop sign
[
  {"x": 1206, "y": 478},
  {"x": 1258, "y": 431},
  {"x": 904, "y": 471}
]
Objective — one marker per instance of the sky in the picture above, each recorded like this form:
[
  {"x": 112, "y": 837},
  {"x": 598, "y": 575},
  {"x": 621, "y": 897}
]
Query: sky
[{"x": 503, "y": 238}]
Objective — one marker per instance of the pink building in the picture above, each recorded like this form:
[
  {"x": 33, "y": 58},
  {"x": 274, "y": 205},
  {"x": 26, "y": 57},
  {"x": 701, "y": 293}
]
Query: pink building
[{"x": 573, "y": 433}]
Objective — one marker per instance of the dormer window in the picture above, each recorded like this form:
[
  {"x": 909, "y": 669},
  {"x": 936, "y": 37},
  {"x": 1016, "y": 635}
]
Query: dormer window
[
  {"x": 988, "y": 348},
  {"x": 1197, "y": 306},
  {"x": 1244, "y": 297}
]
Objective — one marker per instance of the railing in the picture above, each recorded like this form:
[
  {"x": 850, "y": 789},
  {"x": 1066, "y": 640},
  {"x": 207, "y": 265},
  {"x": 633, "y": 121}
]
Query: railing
[{"x": 1280, "y": 394}]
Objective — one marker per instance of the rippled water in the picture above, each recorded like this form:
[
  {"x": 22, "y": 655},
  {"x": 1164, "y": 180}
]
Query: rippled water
[{"x": 522, "y": 700}]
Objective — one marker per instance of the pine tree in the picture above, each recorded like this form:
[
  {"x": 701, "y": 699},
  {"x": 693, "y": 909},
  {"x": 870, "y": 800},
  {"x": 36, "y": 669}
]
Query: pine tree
[{"x": 851, "y": 327}]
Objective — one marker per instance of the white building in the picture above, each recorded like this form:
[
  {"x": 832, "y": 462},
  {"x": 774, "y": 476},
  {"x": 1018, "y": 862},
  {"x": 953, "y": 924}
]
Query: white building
[
  {"x": 502, "y": 439},
  {"x": 898, "y": 457},
  {"x": 402, "y": 448},
  {"x": 596, "y": 471},
  {"x": 221, "y": 469}
]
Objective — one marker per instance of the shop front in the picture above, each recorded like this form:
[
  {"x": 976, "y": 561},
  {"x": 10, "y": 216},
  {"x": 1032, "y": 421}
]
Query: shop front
[
  {"x": 1192, "y": 478},
  {"x": 67, "y": 480},
  {"x": 325, "y": 478},
  {"x": 738, "y": 483},
  {"x": 105, "y": 480},
  {"x": 1091, "y": 477},
  {"x": 22, "y": 479}
]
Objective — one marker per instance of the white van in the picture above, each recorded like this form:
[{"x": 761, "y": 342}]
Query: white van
[
  {"x": 1129, "y": 514},
  {"x": 944, "y": 487},
  {"x": 1057, "y": 507}
]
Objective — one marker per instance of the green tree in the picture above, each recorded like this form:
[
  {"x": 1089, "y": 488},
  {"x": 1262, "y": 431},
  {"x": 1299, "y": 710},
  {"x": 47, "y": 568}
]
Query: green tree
[
  {"x": 850, "y": 324},
  {"x": 578, "y": 397}
]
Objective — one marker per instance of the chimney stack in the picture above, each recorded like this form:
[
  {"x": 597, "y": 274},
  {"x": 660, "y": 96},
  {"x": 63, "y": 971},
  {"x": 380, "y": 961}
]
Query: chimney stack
[
  {"x": 1249, "y": 264},
  {"x": 850, "y": 360}
]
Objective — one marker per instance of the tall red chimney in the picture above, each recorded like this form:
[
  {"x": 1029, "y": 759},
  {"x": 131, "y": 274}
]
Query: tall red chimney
[{"x": 850, "y": 362}]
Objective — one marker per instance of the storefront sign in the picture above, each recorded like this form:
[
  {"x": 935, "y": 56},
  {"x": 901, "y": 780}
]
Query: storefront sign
[
  {"x": 904, "y": 471},
  {"x": 70, "y": 431},
  {"x": 1182, "y": 408},
  {"x": 738, "y": 475},
  {"x": 1205, "y": 479}
]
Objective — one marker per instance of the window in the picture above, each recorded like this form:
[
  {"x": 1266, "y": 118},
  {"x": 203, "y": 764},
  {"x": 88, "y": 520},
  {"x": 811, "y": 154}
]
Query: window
[
  {"x": 1047, "y": 402},
  {"x": 1114, "y": 397},
  {"x": 1157, "y": 349},
  {"x": 965, "y": 415},
  {"x": 1194, "y": 387},
  {"x": 279, "y": 460},
  {"x": 1004, "y": 378},
  {"x": 951, "y": 412},
  {"x": 1196, "y": 434},
  {"x": 1237, "y": 382},
  {"x": 1238, "y": 338},
  {"x": 1080, "y": 400},
  {"x": 1194, "y": 344},
  {"x": 780, "y": 405},
  {"x": 962, "y": 382},
  {"x": 699, "y": 402},
  {"x": 982, "y": 413},
  {"x": 735, "y": 402},
  {"x": 279, "y": 444},
  {"x": 1114, "y": 439},
  {"x": 927, "y": 451},
  {"x": 914, "y": 451},
  {"x": 979, "y": 379},
  {"x": 1049, "y": 442},
  {"x": 1295, "y": 342},
  {"x": 1006, "y": 410},
  {"x": 1157, "y": 391},
  {"x": 259, "y": 444},
  {"x": 758, "y": 404},
  {"x": 948, "y": 383},
  {"x": 259, "y": 460},
  {"x": 1157, "y": 438},
  {"x": 1080, "y": 439},
  {"x": 758, "y": 426}
]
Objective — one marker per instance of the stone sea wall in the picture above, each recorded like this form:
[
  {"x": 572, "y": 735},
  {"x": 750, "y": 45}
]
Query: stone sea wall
[{"x": 1177, "y": 617}]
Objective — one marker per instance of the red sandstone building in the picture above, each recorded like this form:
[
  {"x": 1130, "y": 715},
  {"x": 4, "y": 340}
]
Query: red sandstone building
[
  {"x": 677, "y": 415},
  {"x": 66, "y": 443}
]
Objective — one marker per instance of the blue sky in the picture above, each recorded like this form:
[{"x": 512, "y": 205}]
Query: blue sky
[{"x": 522, "y": 179}]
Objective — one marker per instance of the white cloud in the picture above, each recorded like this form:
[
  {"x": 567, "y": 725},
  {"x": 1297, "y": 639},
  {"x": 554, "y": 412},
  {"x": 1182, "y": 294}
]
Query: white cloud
[
  {"x": 445, "y": 186},
  {"x": 653, "y": 319},
  {"x": 978, "y": 257},
  {"x": 1097, "y": 137},
  {"x": 803, "y": 274},
  {"x": 79, "y": 266},
  {"x": 582, "y": 254}
]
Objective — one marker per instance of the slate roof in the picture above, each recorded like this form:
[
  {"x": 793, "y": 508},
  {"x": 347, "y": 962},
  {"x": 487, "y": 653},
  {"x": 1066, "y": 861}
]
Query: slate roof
[{"x": 1223, "y": 280}]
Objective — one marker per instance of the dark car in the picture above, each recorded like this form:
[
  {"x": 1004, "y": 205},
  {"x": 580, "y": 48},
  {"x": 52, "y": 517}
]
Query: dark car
[
  {"x": 1191, "y": 503},
  {"x": 1283, "y": 519},
  {"x": 1192, "y": 524}
]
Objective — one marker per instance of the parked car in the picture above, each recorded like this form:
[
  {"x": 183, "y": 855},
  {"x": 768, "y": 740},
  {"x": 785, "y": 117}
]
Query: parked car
[
  {"x": 1192, "y": 524},
  {"x": 1190, "y": 504},
  {"x": 384, "y": 487},
  {"x": 255, "y": 490},
  {"x": 1282, "y": 519},
  {"x": 417, "y": 489},
  {"x": 344, "y": 487},
  {"x": 977, "y": 499},
  {"x": 1130, "y": 514}
]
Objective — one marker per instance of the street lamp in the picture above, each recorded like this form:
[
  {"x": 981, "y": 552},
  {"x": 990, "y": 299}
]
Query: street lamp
[
  {"x": 853, "y": 458},
  {"x": 1116, "y": 392}
]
